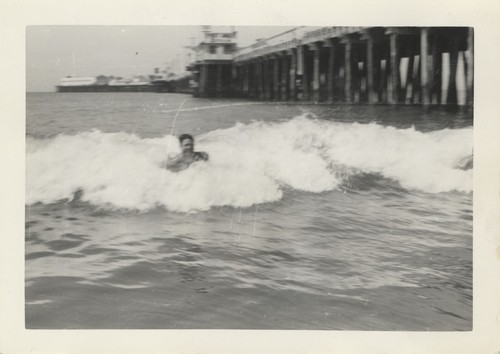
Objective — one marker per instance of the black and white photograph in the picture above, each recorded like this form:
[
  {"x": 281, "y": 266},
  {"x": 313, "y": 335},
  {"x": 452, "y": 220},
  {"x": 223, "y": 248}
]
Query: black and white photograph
[
  {"x": 264, "y": 177},
  {"x": 308, "y": 178}
]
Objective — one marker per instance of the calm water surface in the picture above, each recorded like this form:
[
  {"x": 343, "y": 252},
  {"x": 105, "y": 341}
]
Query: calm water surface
[{"x": 305, "y": 217}]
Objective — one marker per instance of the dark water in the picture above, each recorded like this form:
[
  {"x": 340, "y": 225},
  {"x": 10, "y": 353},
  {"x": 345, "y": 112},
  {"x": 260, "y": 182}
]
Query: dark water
[{"x": 306, "y": 217}]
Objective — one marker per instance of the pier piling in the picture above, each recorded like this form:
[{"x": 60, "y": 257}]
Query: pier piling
[
  {"x": 293, "y": 71},
  {"x": 425, "y": 72},
  {"x": 330, "y": 75},
  {"x": 348, "y": 71}
]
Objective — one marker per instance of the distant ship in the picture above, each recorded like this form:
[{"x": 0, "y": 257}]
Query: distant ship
[
  {"x": 97, "y": 84},
  {"x": 158, "y": 82}
]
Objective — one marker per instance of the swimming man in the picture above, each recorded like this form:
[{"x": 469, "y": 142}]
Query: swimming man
[{"x": 187, "y": 155}]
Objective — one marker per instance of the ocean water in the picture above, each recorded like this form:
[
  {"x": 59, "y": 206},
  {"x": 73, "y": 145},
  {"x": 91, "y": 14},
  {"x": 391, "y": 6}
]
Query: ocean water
[{"x": 306, "y": 217}]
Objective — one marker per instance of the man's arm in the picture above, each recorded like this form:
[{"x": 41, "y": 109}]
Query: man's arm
[
  {"x": 202, "y": 156},
  {"x": 172, "y": 163}
]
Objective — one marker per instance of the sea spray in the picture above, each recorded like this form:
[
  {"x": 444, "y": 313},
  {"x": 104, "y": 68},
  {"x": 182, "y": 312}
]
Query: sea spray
[{"x": 249, "y": 164}]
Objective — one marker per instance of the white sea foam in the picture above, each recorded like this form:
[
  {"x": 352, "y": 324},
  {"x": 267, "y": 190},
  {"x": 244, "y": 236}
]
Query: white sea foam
[{"x": 249, "y": 164}]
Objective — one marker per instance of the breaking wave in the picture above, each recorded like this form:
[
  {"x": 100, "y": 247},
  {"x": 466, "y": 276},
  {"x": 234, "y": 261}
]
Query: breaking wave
[{"x": 249, "y": 164}]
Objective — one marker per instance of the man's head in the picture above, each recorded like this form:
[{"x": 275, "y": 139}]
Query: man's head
[{"x": 187, "y": 143}]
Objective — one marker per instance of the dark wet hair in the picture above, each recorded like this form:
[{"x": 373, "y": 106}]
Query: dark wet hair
[{"x": 184, "y": 137}]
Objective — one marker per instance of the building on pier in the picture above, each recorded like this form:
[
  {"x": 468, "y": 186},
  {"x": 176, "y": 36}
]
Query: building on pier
[
  {"x": 391, "y": 65},
  {"x": 212, "y": 66}
]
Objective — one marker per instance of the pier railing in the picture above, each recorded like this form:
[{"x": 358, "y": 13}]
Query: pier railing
[
  {"x": 283, "y": 41},
  {"x": 291, "y": 39},
  {"x": 328, "y": 32}
]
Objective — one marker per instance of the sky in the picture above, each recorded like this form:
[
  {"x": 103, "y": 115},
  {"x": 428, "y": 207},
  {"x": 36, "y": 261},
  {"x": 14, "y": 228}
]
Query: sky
[{"x": 53, "y": 52}]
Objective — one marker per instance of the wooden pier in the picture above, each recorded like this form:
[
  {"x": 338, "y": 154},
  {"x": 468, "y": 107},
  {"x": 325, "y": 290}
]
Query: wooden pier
[{"x": 353, "y": 65}]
